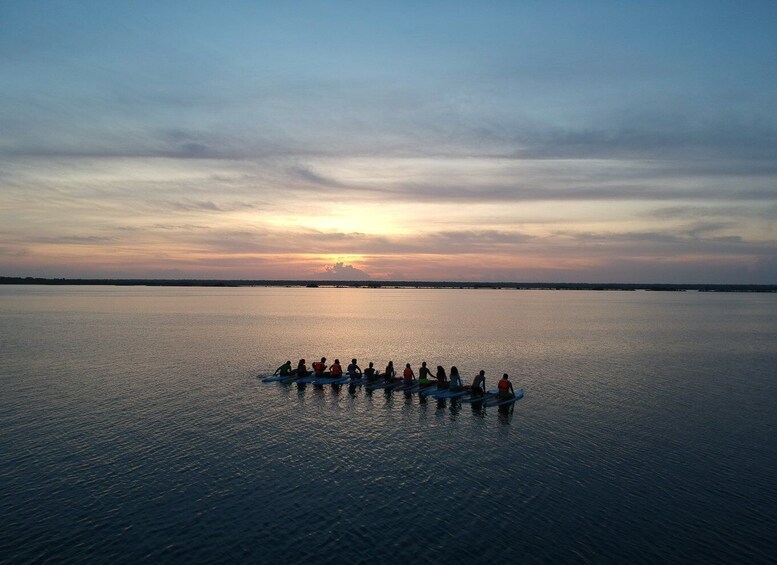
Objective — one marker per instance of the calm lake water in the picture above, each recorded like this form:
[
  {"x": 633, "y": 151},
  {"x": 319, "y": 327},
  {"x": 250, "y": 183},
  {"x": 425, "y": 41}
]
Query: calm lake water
[{"x": 134, "y": 427}]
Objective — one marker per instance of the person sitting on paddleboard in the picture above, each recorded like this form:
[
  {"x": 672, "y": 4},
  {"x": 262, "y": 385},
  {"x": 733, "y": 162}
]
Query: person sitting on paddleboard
[
  {"x": 455, "y": 380},
  {"x": 337, "y": 370},
  {"x": 284, "y": 370},
  {"x": 442, "y": 379},
  {"x": 370, "y": 373},
  {"x": 302, "y": 370},
  {"x": 423, "y": 375},
  {"x": 389, "y": 374},
  {"x": 506, "y": 387},
  {"x": 479, "y": 384},
  {"x": 408, "y": 374},
  {"x": 319, "y": 367},
  {"x": 353, "y": 370}
]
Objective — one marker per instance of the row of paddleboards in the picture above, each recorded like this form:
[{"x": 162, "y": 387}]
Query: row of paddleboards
[{"x": 490, "y": 398}]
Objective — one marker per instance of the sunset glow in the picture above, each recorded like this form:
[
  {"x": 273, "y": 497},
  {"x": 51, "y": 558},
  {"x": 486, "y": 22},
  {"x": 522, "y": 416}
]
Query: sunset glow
[{"x": 132, "y": 146}]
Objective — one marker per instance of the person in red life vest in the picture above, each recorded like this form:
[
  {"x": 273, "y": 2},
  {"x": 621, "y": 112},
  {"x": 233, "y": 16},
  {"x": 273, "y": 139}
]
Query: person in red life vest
[
  {"x": 337, "y": 370},
  {"x": 319, "y": 367},
  {"x": 302, "y": 370},
  {"x": 389, "y": 374},
  {"x": 479, "y": 384},
  {"x": 506, "y": 387},
  {"x": 408, "y": 374},
  {"x": 442, "y": 379}
]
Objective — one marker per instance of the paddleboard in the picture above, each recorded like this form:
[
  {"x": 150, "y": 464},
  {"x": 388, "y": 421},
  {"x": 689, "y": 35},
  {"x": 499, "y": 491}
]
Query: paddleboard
[
  {"x": 328, "y": 380},
  {"x": 404, "y": 387},
  {"x": 497, "y": 402},
  {"x": 272, "y": 378},
  {"x": 305, "y": 380},
  {"x": 431, "y": 390},
  {"x": 357, "y": 382},
  {"x": 377, "y": 385},
  {"x": 491, "y": 393},
  {"x": 446, "y": 393}
]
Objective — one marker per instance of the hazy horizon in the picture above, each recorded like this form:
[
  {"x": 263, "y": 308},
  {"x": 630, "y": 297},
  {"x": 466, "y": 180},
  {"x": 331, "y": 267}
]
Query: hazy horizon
[{"x": 572, "y": 142}]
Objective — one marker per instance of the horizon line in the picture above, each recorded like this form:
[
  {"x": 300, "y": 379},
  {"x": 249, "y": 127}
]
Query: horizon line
[{"x": 370, "y": 283}]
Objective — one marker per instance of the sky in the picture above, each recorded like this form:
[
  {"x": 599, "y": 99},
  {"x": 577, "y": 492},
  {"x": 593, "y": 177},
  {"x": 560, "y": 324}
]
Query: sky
[{"x": 481, "y": 141}]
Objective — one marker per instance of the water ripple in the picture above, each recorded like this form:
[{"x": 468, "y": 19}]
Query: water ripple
[{"x": 137, "y": 430}]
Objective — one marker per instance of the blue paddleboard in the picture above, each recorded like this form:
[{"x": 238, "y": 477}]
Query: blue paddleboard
[
  {"x": 497, "y": 402},
  {"x": 491, "y": 393},
  {"x": 272, "y": 378},
  {"x": 447, "y": 393},
  {"x": 379, "y": 385}
]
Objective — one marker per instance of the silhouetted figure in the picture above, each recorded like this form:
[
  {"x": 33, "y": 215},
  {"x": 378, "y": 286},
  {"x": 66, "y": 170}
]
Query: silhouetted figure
[
  {"x": 456, "y": 384},
  {"x": 370, "y": 373},
  {"x": 337, "y": 370},
  {"x": 302, "y": 370},
  {"x": 442, "y": 379},
  {"x": 319, "y": 367},
  {"x": 353, "y": 370},
  {"x": 506, "y": 387},
  {"x": 408, "y": 374},
  {"x": 423, "y": 375},
  {"x": 479, "y": 384},
  {"x": 284, "y": 370},
  {"x": 389, "y": 374}
]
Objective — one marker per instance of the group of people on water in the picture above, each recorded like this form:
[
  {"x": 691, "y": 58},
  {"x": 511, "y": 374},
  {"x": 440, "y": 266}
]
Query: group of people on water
[{"x": 451, "y": 381}]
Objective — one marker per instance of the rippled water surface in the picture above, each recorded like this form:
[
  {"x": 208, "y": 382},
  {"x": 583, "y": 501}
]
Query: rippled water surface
[{"x": 134, "y": 427}]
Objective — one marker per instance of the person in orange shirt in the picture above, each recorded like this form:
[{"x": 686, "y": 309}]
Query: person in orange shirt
[
  {"x": 319, "y": 367},
  {"x": 506, "y": 387},
  {"x": 337, "y": 370},
  {"x": 408, "y": 374}
]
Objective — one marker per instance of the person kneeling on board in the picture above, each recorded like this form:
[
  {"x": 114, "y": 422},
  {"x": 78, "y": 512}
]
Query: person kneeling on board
[
  {"x": 423, "y": 375},
  {"x": 478, "y": 387},
  {"x": 302, "y": 370},
  {"x": 389, "y": 374},
  {"x": 319, "y": 367},
  {"x": 284, "y": 370},
  {"x": 353, "y": 370},
  {"x": 408, "y": 374},
  {"x": 506, "y": 387},
  {"x": 336, "y": 369},
  {"x": 456, "y": 384},
  {"x": 442, "y": 379},
  {"x": 371, "y": 374}
]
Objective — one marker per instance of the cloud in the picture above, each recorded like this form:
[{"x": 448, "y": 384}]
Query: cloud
[
  {"x": 203, "y": 205},
  {"x": 342, "y": 272},
  {"x": 307, "y": 175},
  {"x": 727, "y": 211},
  {"x": 73, "y": 239}
]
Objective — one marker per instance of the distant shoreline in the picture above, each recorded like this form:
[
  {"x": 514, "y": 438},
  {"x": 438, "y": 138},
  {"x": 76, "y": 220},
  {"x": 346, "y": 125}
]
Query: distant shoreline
[{"x": 395, "y": 284}]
